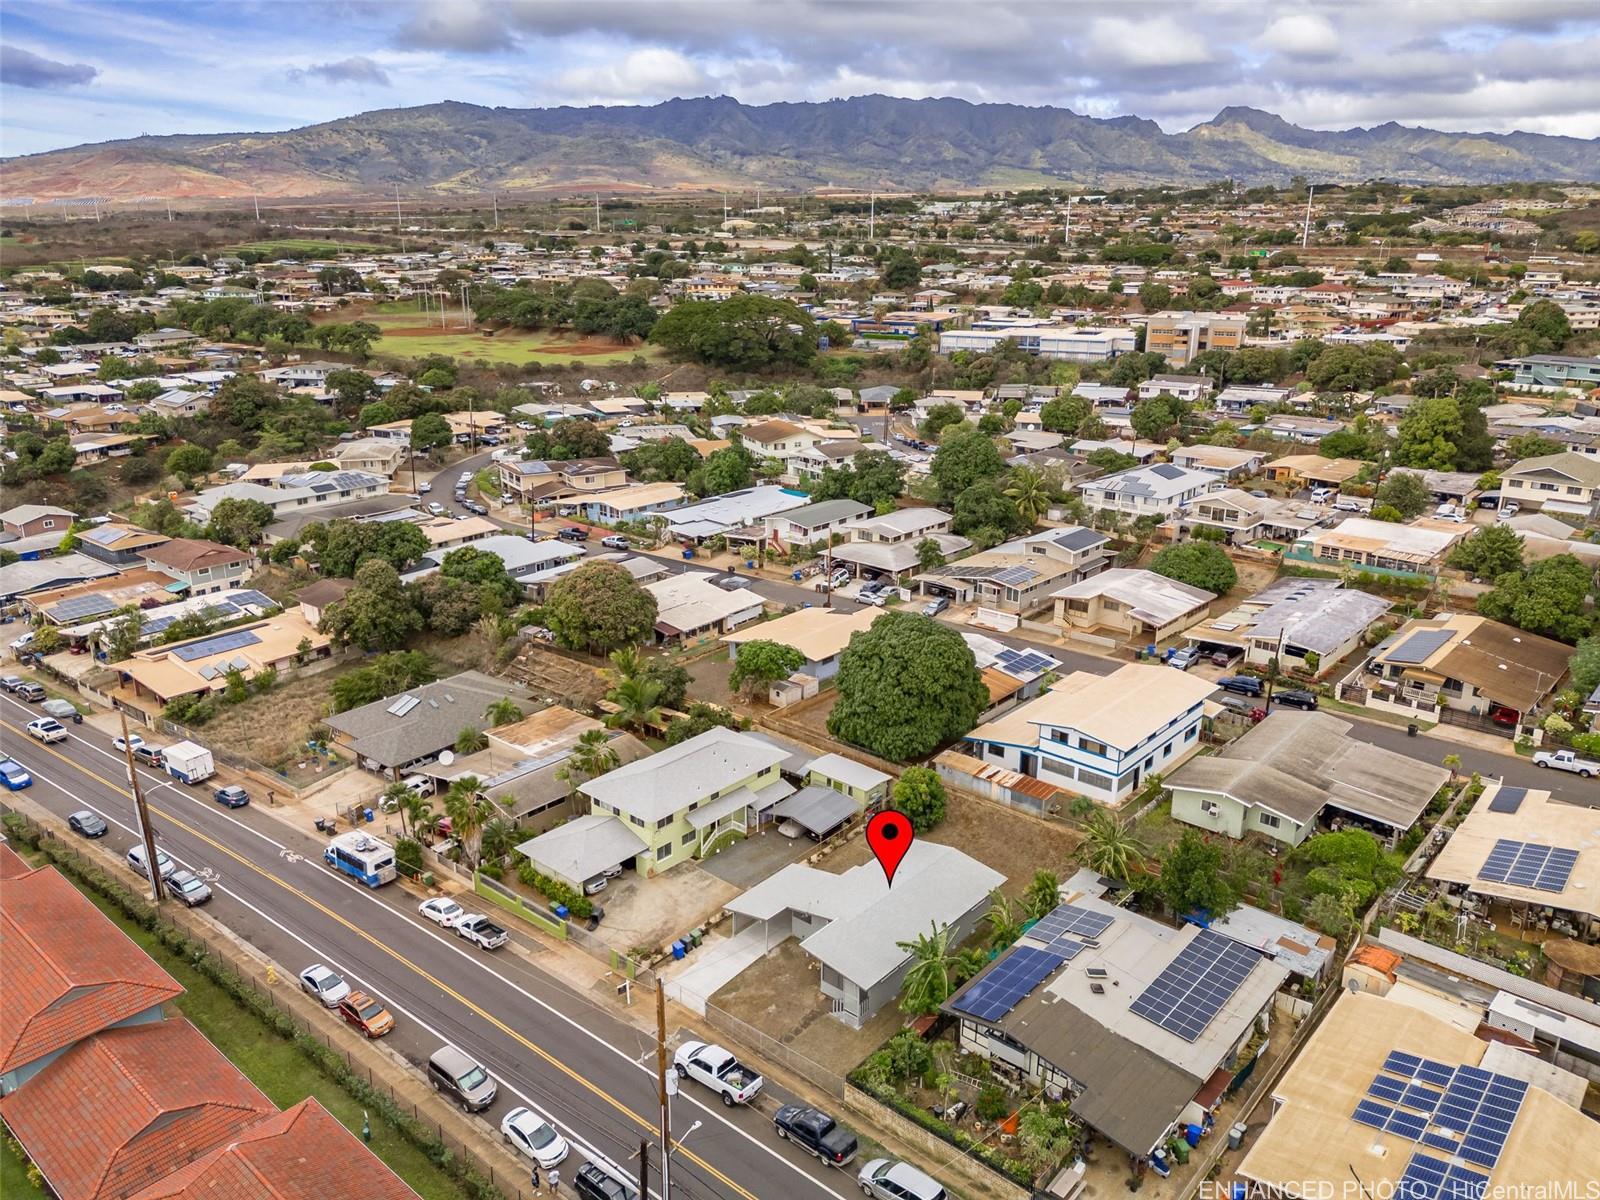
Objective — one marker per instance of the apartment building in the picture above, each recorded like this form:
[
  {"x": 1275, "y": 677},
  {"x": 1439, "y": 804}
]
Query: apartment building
[{"x": 1180, "y": 336}]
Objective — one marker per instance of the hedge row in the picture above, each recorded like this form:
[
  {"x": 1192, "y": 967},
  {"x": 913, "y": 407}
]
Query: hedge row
[{"x": 327, "y": 1060}]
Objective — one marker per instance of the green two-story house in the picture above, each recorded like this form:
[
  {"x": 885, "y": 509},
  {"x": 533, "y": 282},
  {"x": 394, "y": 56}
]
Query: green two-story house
[{"x": 686, "y": 801}]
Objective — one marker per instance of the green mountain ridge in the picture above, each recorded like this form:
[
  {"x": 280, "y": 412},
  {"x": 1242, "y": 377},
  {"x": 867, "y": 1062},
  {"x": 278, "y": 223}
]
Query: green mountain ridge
[{"x": 876, "y": 142}]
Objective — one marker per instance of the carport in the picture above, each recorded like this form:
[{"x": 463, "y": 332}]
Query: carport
[
  {"x": 582, "y": 848},
  {"x": 817, "y": 810}
]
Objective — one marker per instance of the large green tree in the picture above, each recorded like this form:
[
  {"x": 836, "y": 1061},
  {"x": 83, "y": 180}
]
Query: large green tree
[
  {"x": 1489, "y": 553},
  {"x": 1404, "y": 492},
  {"x": 1429, "y": 433},
  {"x": 1203, "y": 565},
  {"x": 429, "y": 430},
  {"x": 964, "y": 457},
  {"x": 1550, "y": 597},
  {"x": 376, "y": 614},
  {"x": 599, "y": 607},
  {"x": 919, "y": 794},
  {"x": 1065, "y": 414},
  {"x": 1192, "y": 877},
  {"x": 236, "y": 522},
  {"x": 906, "y": 685},
  {"x": 761, "y": 663},
  {"x": 746, "y": 333}
]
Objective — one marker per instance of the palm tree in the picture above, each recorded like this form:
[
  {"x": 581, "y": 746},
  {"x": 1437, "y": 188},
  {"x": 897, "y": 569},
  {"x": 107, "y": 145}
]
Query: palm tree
[
  {"x": 468, "y": 812},
  {"x": 470, "y": 740},
  {"x": 1043, "y": 894},
  {"x": 499, "y": 839},
  {"x": 397, "y": 794},
  {"x": 626, "y": 663},
  {"x": 590, "y": 758},
  {"x": 1453, "y": 761},
  {"x": 1110, "y": 846},
  {"x": 1030, "y": 492},
  {"x": 424, "y": 821},
  {"x": 502, "y": 712},
  {"x": 636, "y": 704},
  {"x": 1004, "y": 925},
  {"x": 933, "y": 972}
]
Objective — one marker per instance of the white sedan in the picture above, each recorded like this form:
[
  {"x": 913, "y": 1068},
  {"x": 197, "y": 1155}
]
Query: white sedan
[
  {"x": 534, "y": 1136},
  {"x": 442, "y": 911},
  {"x": 327, "y": 986},
  {"x": 121, "y": 746}
]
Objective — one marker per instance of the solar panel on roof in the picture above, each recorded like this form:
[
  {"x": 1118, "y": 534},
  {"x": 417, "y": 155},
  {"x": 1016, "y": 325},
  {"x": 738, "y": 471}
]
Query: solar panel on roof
[
  {"x": 1436, "y": 1073},
  {"x": 1007, "y": 982},
  {"x": 403, "y": 705},
  {"x": 1375, "y": 1115},
  {"x": 220, "y": 644},
  {"x": 1471, "y": 1118},
  {"x": 1385, "y": 1088},
  {"x": 1189, "y": 993},
  {"x": 82, "y": 606},
  {"x": 209, "y": 672},
  {"x": 1419, "y": 646},
  {"x": 1069, "y": 918},
  {"x": 1508, "y": 800},
  {"x": 1401, "y": 1063},
  {"x": 1012, "y": 576},
  {"x": 1529, "y": 865}
]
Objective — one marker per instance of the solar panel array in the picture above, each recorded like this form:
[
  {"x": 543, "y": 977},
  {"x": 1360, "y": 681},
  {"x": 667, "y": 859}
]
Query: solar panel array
[
  {"x": 1428, "y": 1178},
  {"x": 1007, "y": 982},
  {"x": 1529, "y": 865},
  {"x": 220, "y": 644},
  {"x": 1069, "y": 918},
  {"x": 1464, "y": 1111},
  {"x": 1508, "y": 800},
  {"x": 1188, "y": 995},
  {"x": 1023, "y": 662},
  {"x": 80, "y": 607},
  {"x": 1012, "y": 576},
  {"x": 1419, "y": 646}
]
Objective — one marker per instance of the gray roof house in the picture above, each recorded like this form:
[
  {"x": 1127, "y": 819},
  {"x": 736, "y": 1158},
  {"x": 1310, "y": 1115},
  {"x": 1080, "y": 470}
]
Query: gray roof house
[
  {"x": 853, "y": 923},
  {"x": 391, "y": 734},
  {"x": 1295, "y": 768},
  {"x": 1160, "y": 489},
  {"x": 1293, "y": 618},
  {"x": 1140, "y": 1025}
]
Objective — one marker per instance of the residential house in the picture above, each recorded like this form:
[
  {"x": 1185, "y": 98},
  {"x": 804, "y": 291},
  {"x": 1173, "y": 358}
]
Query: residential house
[
  {"x": 1416, "y": 549},
  {"x": 1066, "y": 343},
  {"x": 721, "y": 515},
  {"x": 118, "y": 545},
  {"x": 1191, "y": 389},
  {"x": 1129, "y": 604},
  {"x": 315, "y": 599},
  {"x": 1465, "y": 663},
  {"x": 778, "y": 441},
  {"x": 1290, "y": 427},
  {"x": 854, "y": 925},
  {"x": 28, "y": 520},
  {"x": 1324, "y": 1116},
  {"x": 199, "y": 567},
  {"x": 1240, "y": 517},
  {"x": 534, "y": 480},
  {"x": 1526, "y": 858},
  {"x": 1567, "y": 483},
  {"x": 632, "y": 502},
  {"x": 375, "y": 456},
  {"x": 1552, "y": 372},
  {"x": 819, "y": 634},
  {"x": 1100, "y": 736},
  {"x": 27, "y": 576},
  {"x": 1313, "y": 470},
  {"x": 1019, "y": 577},
  {"x": 811, "y": 523},
  {"x": 887, "y": 545},
  {"x": 866, "y": 786},
  {"x": 524, "y": 560},
  {"x": 1310, "y": 624},
  {"x": 153, "y": 677},
  {"x": 394, "y": 734},
  {"x": 675, "y": 806},
  {"x": 1181, "y": 336},
  {"x": 1088, "y": 1005},
  {"x": 808, "y": 465},
  {"x": 1296, "y": 771},
  {"x": 1238, "y": 399},
  {"x": 294, "y": 491},
  {"x": 1225, "y": 462},
  {"x": 1159, "y": 490},
  {"x": 690, "y": 606}
]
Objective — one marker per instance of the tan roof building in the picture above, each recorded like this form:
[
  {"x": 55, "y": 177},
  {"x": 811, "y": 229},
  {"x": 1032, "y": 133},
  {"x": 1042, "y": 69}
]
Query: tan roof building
[
  {"x": 821, "y": 634},
  {"x": 1313, "y": 468},
  {"x": 1474, "y": 663},
  {"x": 161, "y": 673}
]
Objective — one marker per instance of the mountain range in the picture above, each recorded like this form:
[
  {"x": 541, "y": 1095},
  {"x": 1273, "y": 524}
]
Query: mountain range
[{"x": 877, "y": 142}]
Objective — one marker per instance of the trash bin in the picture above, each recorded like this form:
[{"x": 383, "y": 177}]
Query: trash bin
[
  {"x": 677, "y": 950},
  {"x": 1411, "y": 729},
  {"x": 1236, "y": 1136},
  {"x": 366, "y": 814},
  {"x": 561, "y": 911}
]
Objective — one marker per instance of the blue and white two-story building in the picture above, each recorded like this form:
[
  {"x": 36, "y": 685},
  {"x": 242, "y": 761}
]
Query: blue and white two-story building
[{"x": 1100, "y": 736}]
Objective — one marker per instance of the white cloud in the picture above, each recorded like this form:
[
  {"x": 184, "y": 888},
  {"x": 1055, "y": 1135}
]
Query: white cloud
[
  {"x": 644, "y": 74},
  {"x": 1147, "y": 42},
  {"x": 1302, "y": 35}
]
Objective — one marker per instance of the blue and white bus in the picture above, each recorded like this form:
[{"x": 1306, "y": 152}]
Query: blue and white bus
[{"x": 362, "y": 857}]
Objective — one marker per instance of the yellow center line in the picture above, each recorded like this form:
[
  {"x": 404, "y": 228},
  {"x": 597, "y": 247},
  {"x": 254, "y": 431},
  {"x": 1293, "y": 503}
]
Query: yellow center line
[{"x": 575, "y": 1076}]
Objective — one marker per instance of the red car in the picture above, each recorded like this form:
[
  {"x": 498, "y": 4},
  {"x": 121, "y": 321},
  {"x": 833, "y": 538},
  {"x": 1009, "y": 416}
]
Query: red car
[
  {"x": 366, "y": 1014},
  {"x": 1501, "y": 715}
]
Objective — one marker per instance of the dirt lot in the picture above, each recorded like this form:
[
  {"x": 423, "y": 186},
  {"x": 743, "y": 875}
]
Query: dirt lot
[
  {"x": 272, "y": 729},
  {"x": 652, "y": 912}
]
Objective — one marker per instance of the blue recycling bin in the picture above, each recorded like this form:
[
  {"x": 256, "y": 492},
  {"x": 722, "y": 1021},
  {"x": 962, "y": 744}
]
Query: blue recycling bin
[
  {"x": 561, "y": 911},
  {"x": 677, "y": 950},
  {"x": 688, "y": 553},
  {"x": 366, "y": 814}
]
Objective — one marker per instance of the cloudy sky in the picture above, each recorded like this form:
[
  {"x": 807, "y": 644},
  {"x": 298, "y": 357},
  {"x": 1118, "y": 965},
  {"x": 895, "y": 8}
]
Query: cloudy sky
[{"x": 75, "y": 71}]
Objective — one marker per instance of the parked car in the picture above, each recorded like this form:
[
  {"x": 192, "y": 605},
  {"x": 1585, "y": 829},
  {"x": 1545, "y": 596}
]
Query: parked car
[
  {"x": 1297, "y": 698},
  {"x": 481, "y": 931},
  {"x": 188, "y": 887},
  {"x": 533, "y": 1134},
  {"x": 366, "y": 1014},
  {"x": 231, "y": 796},
  {"x": 1509, "y": 509},
  {"x": 31, "y": 692},
  {"x": 1560, "y": 760},
  {"x": 13, "y": 775},
  {"x": 1243, "y": 685},
  {"x": 327, "y": 986},
  {"x": 150, "y": 756},
  {"x": 573, "y": 533},
  {"x": 594, "y": 1182},
  {"x": 436, "y": 509},
  {"x": 815, "y": 1132},
  {"x": 840, "y": 577},
  {"x": 89, "y": 824},
  {"x": 473, "y": 506},
  {"x": 732, "y": 583},
  {"x": 133, "y": 739},
  {"x": 47, "y": 729},
  {"x": 935, "y": 606},
  {"x": 718, "y": 1070},
  {"x": 462, "y": 1079},
  {"x": 62, "y": 710},
  {"x": 1183, "y": 659},
  {"x": 1221, "y": 658},
  {"x": 21, "y": 643},
  {"x": 11, "y": 683},
  {"x": 441, "y": 910},
  {"x": 1507, "y": 717},
  {"x": 615, "y": 541},
  {"x": 886, "y": 1179},
  {"x": 593, "y": 887},
  {"x": 424, "y": 488},
  {"x": 163, "y": 864}
]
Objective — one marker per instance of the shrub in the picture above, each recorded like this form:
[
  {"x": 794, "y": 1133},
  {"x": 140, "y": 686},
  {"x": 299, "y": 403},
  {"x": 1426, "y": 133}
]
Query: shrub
[
  {"x": 992, "y": 1103},
  {"x": 556, "y": 891}
]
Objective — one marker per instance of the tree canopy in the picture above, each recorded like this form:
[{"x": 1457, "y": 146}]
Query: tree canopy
[
  {"x": 906, "y": 685},
  {"x": 376, "y": 614},
  {"x": 1192, "y": 878},
  {"x": 964, "y": 457},
  {"x": 1204, "y": 565},
  {"x": 1404, "y": 492},
  {"x": 760, "y": 663},
  {"x": 599, "y": 607},
  {"x": 1489, "y": 553},
  {"x": 1546, "y": 598},
  {"x": 919, "y": 794},
  {"x": 746, "y": 332}
]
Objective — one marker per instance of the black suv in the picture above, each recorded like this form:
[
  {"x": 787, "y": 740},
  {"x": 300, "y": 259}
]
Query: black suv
[
  {"x": 1297, "y": 699},
  {"x": 1244, "y": 685}
]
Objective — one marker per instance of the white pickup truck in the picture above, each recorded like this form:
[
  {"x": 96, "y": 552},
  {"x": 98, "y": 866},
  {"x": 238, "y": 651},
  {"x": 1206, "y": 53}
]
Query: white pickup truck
[
  {"x": 1567, "y": 760},
  {"x": 479, "y": 929},
  {"x": 719, "y": 1070}
]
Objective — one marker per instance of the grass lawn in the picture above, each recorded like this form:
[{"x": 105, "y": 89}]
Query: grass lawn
[
  {"x": 276, "y": 1067},
  {"x": 14, "y": 1177},
  {"x": 411, "y": 333}
]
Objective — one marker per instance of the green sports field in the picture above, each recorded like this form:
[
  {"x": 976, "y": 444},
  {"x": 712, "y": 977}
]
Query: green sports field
[{"x": 410, "y": 333}]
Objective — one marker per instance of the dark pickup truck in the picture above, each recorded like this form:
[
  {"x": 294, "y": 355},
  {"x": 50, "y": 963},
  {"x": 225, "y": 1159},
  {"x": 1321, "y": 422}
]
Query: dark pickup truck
[{"x": 815, "y": 1132}]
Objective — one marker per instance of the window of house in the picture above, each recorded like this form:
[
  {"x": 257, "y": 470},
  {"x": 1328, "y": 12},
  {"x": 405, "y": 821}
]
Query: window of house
[
  {"x": 663, "y": 850},
  {"x": 1189, "y": 736},
  {"x": 1095, "y": 779},
  {"x": 1268, "y": 819},
  {"x": 639, "y": 821},
  {"x": 1166, "y": 750},
  {"x": 663, "y": 822},
  {"x": 49, "y": 523},
  {"x": 688, "y": 838},
  {"x": 1092, "y": 747}
]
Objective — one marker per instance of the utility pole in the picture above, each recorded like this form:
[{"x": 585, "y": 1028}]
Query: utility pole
[
  {"x": 169, "y": 211},
  {"x": 397, "y": 208},
  {"x": 1068, "y": 230},
  {"x": 494, "y": 201},
  {"x": 872, "y": 218},
  {"x": 256, "y": 200},
  {"x": 466, "y": 313},
  {"x": 1305, "y": 230},
  {"x": 146, "y": 830},
  {"x": 597, "y": 212},
  {"x": 665, "y": 1092},
  {"x": 644, "y": 1167}
]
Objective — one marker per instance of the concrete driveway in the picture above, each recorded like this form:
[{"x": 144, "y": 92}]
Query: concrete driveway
[{"x": 745, "y": 864}]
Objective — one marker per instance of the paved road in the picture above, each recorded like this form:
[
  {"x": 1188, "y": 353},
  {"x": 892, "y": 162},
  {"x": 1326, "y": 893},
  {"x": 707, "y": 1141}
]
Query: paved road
[{"x": 549, "y": 1046}]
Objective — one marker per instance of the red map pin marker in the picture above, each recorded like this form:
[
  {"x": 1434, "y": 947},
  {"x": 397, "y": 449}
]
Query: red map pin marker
[{"x": 889, "y": 835}]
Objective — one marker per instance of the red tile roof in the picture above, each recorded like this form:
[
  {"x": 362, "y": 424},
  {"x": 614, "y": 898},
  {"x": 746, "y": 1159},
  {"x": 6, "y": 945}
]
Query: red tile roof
[
  {"x": 125, "y": 1108},
  {"x": 12, "y": 864},
  {"x": 300, "y": 1154},
  {"x": 69, "y": 972}
]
